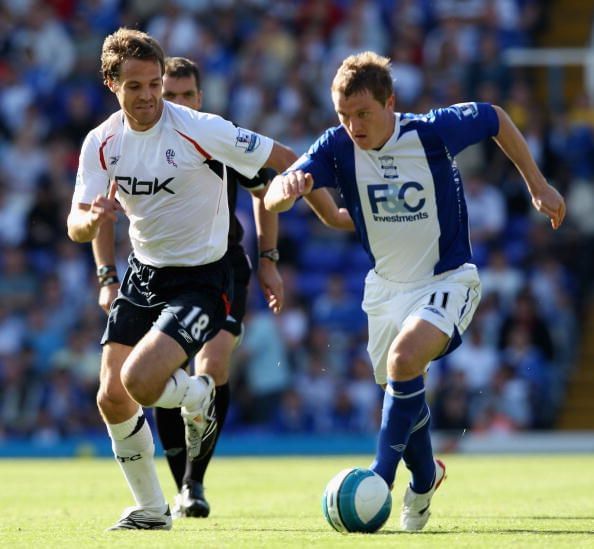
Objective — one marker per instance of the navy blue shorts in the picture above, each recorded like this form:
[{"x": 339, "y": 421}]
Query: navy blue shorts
[
  {"x": 241, "y": 271},
  {"x": 189, "y": 304}
]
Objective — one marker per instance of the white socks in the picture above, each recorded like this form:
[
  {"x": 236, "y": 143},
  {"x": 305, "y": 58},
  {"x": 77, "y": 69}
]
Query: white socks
[
  {"x": 132, "y": 440},
  {"x": 182, "y": 390},
  {"x": 134, "y": 449}
]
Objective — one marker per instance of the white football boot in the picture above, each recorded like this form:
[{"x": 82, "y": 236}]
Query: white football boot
[
  {"x": 415, "y": 509},
  {"x": 201, "y": 423},
  {"x": 144, "y": 518}
]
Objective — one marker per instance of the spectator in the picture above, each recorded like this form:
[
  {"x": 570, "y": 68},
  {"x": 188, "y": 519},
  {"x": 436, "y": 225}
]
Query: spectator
[
  {"x": 263, "y": 355},
  {"x": 18, "y": 285},
  {"x": 501, "y": 278},
  {"x": 50, "y": 97},
  {"x": 525, "y": 316}
]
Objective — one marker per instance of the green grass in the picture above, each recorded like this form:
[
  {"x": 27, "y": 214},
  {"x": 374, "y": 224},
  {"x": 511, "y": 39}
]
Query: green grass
[{"x": 487, "y": 501}]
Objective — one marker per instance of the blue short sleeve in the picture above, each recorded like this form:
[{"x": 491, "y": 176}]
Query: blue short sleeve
[
  {"x": 319, "y": 162},
  {"x": 464, "y": 124}
]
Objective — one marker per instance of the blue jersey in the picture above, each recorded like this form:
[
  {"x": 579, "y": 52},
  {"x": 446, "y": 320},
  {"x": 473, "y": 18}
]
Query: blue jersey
[{"x": 406, "y": 199}]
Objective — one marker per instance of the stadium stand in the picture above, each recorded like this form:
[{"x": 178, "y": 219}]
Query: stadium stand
[{"x": 267, "y": 65}]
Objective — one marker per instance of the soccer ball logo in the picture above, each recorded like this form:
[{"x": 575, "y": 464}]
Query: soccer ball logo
[{"x": 357, "y": 500}]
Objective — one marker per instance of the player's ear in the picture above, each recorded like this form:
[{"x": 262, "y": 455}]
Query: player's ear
[
  {"x": 390, "y": 102},
  {"x": 112, "y": 85}
]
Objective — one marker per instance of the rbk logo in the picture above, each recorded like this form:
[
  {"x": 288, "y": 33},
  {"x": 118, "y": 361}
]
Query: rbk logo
[
  {"x": 132, "y": 185},
  {"x": 185, "y": 335},
  {"x": 113, "y": 160}
]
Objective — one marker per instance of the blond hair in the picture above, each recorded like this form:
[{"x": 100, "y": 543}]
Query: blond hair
[
  {"x": 126, "y": 44},
  {"x": 364, "y": 71}
]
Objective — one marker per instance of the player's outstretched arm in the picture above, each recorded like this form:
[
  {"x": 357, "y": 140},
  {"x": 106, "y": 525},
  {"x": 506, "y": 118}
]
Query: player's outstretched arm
[
  {"x": 545, "y": 198},
  {"x": 324, "y": 206},
  {"x": 281, "y": 157},
  {"x": 84, "y": 220},
  {"x": 285, "y": 189},
  {"x": 267, "y": 232}
]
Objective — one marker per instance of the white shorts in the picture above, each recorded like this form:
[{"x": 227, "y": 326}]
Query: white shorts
[{"x": 448, "y": 301}]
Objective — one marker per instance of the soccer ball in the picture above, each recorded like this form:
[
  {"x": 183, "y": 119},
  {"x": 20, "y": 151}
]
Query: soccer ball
[{"x": 357, "y": 500}]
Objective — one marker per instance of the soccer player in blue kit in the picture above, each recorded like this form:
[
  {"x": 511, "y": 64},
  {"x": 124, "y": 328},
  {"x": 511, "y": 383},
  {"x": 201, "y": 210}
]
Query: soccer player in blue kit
[{"x": 397, "y": 176}]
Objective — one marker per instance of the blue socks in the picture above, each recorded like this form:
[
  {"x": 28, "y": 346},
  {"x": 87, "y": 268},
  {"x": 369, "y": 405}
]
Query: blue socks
[
  {"x": 418, "y": 455},
  {"x": 404, "y": 401}
]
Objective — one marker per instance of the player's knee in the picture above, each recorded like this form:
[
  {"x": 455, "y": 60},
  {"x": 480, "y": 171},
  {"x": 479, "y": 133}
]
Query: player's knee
[
  {"x": 110, "y": 398},
  {"x": 403, "y": 364},
  {"x": 137, "y": 385}
]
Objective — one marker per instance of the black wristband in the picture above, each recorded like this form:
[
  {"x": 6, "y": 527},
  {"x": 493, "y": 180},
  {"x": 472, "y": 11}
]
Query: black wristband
[
  {"x": 271, "y": 255},
  {"x": 103, "y": 270},
  {"x": 108, "y": 280}
]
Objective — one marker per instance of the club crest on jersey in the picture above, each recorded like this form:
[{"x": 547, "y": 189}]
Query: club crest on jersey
[
  {"x": 170, "y": 155},
  {"x": 246, "y": 140},
  {"x": 387, "y": 165}
]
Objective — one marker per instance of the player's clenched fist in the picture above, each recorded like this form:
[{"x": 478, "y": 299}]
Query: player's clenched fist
[
  {"x": 105, "y": 208},
  {"x": 297, "y": 184},
  {"x": 285, "y": 189},
  {"x": 84, "y": 220},
  {"x": 549, "y": 202}
]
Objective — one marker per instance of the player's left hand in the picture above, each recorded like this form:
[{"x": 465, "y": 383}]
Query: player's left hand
[
  {"x": 107, "y": 294},
  {"x": 549, "y": 202},
  {"x": 271, "y": 284}
]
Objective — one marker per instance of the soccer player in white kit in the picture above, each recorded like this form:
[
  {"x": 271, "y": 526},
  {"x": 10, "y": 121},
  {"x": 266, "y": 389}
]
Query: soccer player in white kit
[
  {"x": 403, "y": 190},
  {"x": 181, "y": 85},
  {"x": 161, "y": 161}
]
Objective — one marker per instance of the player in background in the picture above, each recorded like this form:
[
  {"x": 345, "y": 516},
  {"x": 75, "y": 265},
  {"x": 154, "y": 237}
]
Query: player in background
[
  {"x": 403, "y": 190},
  {"x": 161, "y": 164},
  {"x": 182, "y": 85}
]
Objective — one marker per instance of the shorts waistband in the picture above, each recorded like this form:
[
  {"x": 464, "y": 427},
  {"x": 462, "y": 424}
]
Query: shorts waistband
[
  {"x": 181, "y": 269},
  {"x": 412, "y": 285}
]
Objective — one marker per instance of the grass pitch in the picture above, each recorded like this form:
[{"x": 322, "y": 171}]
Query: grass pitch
[{"x": 487, "y": 501}]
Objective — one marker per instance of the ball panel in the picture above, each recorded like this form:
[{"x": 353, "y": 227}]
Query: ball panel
[
  {"x": 330, "y": 500},
  {"x": 370, "y": 497},
  {"x": 347, "y": 497}
]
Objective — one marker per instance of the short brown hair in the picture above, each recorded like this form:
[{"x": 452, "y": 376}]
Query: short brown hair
[
  {"x": 126, "y": 44},
  {"x": 365, "y": 71},
  {"x": 181, "y": 67}
]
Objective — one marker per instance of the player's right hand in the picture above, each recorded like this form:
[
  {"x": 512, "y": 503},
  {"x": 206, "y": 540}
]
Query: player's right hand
[
  {"x": 106, "y": 296},
  {"x": 105, "y": 208},
  {"x": 550, "y": 202},
  {"x": 297, "y": 184}
]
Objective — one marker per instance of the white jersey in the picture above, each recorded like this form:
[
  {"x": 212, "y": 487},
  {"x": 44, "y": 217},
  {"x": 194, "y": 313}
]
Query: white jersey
[
  {"x": 172, "y": 181},
  {"x": 406, "y": 199}
]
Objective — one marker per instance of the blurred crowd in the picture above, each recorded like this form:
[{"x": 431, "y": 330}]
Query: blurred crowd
[{"x": 267, "y": 65}]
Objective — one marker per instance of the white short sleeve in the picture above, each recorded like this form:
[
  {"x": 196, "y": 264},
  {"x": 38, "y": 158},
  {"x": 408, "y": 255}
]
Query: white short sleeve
[
  {"x": 91, "y": 178},
  {"x": 244, "y": 150}
]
